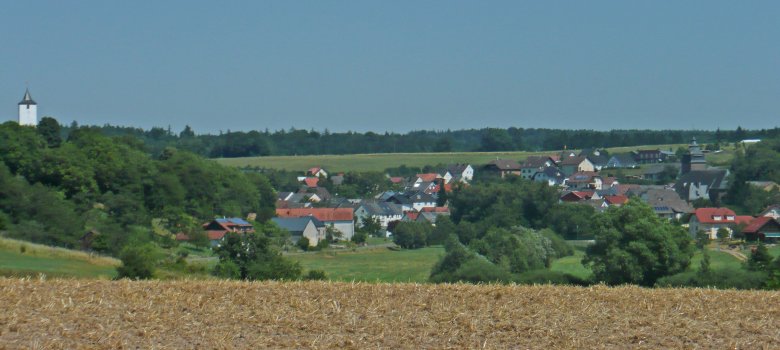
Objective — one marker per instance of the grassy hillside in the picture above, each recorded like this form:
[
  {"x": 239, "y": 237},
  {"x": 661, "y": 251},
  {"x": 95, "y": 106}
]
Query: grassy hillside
[
  {"x": 221, "y": 314},
  {"x": 381, "y": 161},
  {"x": 374, "y": 265},
  {"x": 18, "y": 258}
]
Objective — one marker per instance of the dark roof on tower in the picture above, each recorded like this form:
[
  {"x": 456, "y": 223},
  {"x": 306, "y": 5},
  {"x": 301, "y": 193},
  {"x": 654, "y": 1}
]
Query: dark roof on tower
[{"x": 27, "y": 99}]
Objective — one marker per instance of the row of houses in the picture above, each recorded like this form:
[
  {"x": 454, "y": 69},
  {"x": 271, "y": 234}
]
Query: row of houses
[{"x": 764, "y": 227}]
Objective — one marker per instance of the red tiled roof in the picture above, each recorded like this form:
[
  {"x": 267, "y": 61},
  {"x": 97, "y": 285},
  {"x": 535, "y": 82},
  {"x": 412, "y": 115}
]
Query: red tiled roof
[
  {"x": 583, "y": 176},
  {"x": 311, "y": 181},
  {"x": 396, "y": 179},
  {"x": 573, "y": 160},
  {"x": 757, "y": 223},
  {"x": 435, "y": 210},
  {"x": 706, "y": 215},
  {"x": 743, "y": 219},
  {"x": 314, "y": 170},
  {"x": 429, "y": 177},
  {"x": 608, "y": 181},
  {"x": 616, "y": 199},
  {"x": 622, "y": 189},
  {"x": 322, "y": 214},
  {"x": 216, "y": 235},
  {"x": 576, "y": 195}
]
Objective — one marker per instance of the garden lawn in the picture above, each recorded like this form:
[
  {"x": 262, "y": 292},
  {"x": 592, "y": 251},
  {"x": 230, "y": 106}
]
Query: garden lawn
[
  {"x": 572, "y": 265},
  {"x": 718, "y": 260},
  {"x": 373, "y": 265}
]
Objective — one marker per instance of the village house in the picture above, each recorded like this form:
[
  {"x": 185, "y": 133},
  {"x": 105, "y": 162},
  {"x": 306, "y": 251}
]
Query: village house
[
  {"x": 649, "y": 156},
  {"x": 317, "y": 172},
  {"x": 340, "y": 219},
  {"x": 709, "y": 220},
  {"x": 584, "y": 180},
  {"x": 384, "y": 212},
  {"x": 460, "y": 173},
  {"x": 571, "y": 165},
  {"x": 622, "y": 160},
  {"x": 772, "y": 211},
  {"x": 218, "y": 228},
  {"x": 535, "y": 164},
  {"x": 576, "y": 196},
  {"x": 762, "y": 228},
  {"x": 308, "y": 226},
  {"x": 503, "y": 167},
  {"x": 665, "y": 202},
  {"x": 551, "y": 175},
  {"x": 707, "y": 184},
  {"x": 596, "y": 157}
]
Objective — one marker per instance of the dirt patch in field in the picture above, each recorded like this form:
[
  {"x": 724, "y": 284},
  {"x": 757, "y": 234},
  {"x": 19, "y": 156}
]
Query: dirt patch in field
[{"x": 76, "y": 314}]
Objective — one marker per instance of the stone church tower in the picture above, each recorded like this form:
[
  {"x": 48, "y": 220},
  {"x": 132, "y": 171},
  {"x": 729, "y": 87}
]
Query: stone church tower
[
  {"x": 28, "y": 110},
  {"x": 694, "y": 159}
]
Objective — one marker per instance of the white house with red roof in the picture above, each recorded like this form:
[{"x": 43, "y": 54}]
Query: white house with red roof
[
  {"x": 341, "y": 219},
  {"x": 710, "y": 220}
]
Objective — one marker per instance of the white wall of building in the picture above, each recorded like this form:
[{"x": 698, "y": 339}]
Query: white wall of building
[{"x": 28, "y": 115}]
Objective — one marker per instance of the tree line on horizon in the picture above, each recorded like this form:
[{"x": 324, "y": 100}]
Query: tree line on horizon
[{"x": 230, "y": 144}]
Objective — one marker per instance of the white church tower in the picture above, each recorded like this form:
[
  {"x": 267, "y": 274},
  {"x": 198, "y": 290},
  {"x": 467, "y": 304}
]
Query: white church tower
[{"x": 28, "y": 110}]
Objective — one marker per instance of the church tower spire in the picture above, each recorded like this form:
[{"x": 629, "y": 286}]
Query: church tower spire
[{"x": 28, "y": 110}]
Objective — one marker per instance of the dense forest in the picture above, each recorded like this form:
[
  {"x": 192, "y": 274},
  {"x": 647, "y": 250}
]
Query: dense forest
[
  {"x": 302, "y": 142},
  {"x": 54, "y": 190}
]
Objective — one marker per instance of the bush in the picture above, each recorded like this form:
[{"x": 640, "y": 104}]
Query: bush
[
  {"x": 549, "y": 277},
  {"x": 559, "y": 245},
  {"x": 227, "y": 269},
  {"x": 303, "y": 243},
  {"x": 137, "y": 262},
  {"x": 359, "y": 237},
  {"x": 475, "y": 270},
  {"x": 727, "y": 278},
  {"x": 315, "y": 275}
]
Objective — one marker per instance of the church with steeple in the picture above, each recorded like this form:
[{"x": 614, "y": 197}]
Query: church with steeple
[{"x": 28, "y": 110}]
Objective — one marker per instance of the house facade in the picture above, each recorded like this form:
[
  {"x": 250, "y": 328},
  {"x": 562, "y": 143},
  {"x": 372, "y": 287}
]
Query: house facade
[
  {"x": 308, "y": 226},
  {"x": 341, "y": 219},
  {"x": 572, "y": 165},
  {"x": 503, "y": 167},
  {"x": 710, "y": 220},
  {"x": 535, "y": 164}
]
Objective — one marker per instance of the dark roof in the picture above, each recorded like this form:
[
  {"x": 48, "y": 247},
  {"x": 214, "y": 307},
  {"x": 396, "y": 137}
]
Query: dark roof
[
  {"x": 537, "y": 161},
  {"x": 665, "y": 198},
  {"x": 714, "y": 179},
  {"x": 381, "y": 208},
  {"x": 551, "y": 173},
  {"x": 235, "y": 221},
  {"x": 625, "y": 159},
  {"x": 598, "y": 159},
  {"x": 573, "y": 160},
  {"x": 27, "y": 99},
  {"x": 456, "y": 169},
  {"x": 504, "y": 164},
  {"x": 296, "y": 224}
]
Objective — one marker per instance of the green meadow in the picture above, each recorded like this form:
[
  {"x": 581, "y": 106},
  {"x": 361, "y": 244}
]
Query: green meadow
[
  {"x": 382, "y": 161},
  {"x": 21, "y": 259}
]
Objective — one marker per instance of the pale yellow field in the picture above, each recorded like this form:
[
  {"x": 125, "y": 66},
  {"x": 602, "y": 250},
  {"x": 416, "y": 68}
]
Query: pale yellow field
[{"x": 71, "y": 314}]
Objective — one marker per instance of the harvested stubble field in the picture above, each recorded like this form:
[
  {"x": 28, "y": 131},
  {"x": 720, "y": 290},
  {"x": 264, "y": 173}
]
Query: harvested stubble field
[{"x": 218, "y": 314}]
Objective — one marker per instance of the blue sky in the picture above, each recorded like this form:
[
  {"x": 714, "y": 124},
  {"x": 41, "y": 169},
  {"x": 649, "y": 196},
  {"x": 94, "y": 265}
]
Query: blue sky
[{"x": 394, "y": 65}]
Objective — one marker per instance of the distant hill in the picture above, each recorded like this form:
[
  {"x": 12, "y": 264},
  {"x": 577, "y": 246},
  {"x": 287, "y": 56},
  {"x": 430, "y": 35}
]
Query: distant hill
[{"x": 230, "y": 144}]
